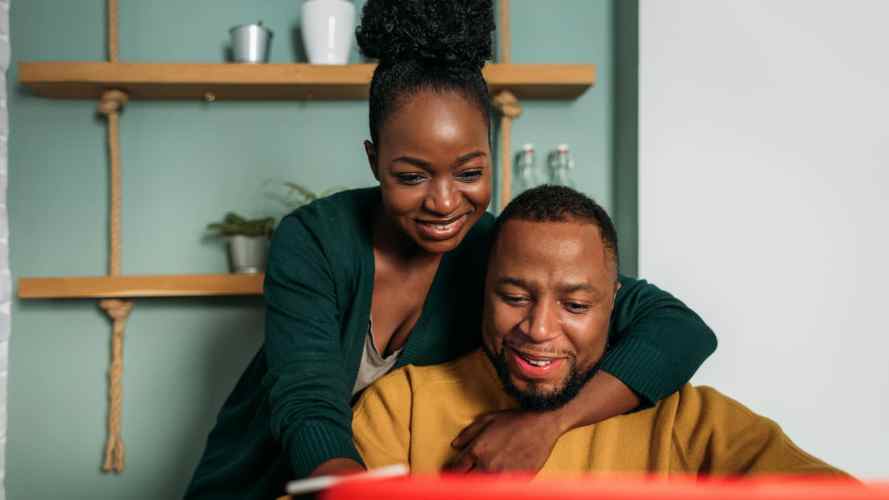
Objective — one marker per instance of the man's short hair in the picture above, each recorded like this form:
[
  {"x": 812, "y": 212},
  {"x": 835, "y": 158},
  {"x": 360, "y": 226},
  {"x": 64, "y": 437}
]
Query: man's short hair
[{"x": 550, "y": 203}]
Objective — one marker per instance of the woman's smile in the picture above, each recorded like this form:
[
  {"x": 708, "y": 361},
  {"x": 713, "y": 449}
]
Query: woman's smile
[{"x": 442, "y": 229}]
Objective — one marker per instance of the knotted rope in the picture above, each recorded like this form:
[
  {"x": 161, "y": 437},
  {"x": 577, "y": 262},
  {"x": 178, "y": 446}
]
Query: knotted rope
[
  {"x": 508, "y": 105},
  {"x": 118, "y": 311},
  {"x": 113, "y": 48},
  {"x": 110, "y": 105}
]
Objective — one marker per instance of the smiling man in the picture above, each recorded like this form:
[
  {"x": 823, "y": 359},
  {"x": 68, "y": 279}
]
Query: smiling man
[{"x": 549, "y": 294}]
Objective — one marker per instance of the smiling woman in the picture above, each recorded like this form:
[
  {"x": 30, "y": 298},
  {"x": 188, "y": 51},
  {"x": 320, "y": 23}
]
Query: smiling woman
[{"x": 371, "y": 279}]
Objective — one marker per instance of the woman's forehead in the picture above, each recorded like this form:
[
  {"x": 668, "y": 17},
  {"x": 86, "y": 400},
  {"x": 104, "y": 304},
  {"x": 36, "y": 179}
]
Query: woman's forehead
[{"x": 434, "y": 117}]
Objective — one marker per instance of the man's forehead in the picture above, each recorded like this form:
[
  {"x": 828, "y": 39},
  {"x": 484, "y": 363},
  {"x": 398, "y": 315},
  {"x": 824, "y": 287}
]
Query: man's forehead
[
  {"x": 525, "y": 248},
  {"x": 564, "y": 239}
]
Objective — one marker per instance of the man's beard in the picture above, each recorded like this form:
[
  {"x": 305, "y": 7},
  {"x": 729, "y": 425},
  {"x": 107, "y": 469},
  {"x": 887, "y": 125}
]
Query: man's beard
[{"x": 533, "y": 399}]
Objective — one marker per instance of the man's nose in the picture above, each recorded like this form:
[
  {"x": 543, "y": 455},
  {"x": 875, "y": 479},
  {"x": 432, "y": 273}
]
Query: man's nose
[
  {"x": 543, "y": 322},
  {"x": 442, "y": 197}
]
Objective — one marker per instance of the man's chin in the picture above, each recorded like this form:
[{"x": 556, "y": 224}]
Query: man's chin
[
  {"x": 536, "y": 389},
  {"x": 539, "y": 396}
]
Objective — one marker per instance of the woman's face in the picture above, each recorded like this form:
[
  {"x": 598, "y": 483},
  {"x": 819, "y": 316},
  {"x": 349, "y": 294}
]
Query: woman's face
[{"x": 433, "y": 162}]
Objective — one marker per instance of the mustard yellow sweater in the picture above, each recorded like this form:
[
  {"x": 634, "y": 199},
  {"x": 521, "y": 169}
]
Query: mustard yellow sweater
[{"x": 411, "y": 415}]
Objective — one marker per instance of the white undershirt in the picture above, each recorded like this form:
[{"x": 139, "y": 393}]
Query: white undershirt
[{"x": 373, "y": 364}]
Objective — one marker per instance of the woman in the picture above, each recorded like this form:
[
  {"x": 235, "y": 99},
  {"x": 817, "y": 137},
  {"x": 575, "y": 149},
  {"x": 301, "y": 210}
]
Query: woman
[{"x": 371, "y": 279}]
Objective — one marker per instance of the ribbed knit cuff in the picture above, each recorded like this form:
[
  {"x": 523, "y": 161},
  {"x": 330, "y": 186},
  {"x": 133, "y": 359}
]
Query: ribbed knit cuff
[
  {"x": 317, "y": 442},
  {"x": 642, "y": 368}
]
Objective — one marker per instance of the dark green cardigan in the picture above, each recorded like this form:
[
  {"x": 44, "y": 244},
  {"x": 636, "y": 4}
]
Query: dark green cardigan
[{"x": 290, "y": 411}]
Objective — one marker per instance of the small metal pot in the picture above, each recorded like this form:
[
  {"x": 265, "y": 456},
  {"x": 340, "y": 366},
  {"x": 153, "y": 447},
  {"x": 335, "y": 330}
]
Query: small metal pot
[
  {"x": 247, "y": 254},
  {"x": 251, "y": 43}
]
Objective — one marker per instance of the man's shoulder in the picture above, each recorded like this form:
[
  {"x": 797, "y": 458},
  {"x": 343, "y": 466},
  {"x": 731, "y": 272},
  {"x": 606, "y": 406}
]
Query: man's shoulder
[
  {"x": 694, "y": 408},
  {"x": 436, "y": 381}
]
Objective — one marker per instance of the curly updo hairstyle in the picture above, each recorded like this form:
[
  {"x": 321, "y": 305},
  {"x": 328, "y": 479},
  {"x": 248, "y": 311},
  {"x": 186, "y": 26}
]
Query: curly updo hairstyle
[{"x": 421, "y": 45}]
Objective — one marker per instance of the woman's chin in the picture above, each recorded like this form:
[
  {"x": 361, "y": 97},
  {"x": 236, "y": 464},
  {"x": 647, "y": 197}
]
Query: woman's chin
[{"x": 438, "y": 246}]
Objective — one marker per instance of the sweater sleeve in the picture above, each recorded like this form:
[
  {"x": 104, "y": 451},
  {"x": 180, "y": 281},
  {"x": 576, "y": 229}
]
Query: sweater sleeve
[
  {"x": 307, "y": 388},
  {"x": 714, "y": 434},
  {"x": 657, "y": 343}
]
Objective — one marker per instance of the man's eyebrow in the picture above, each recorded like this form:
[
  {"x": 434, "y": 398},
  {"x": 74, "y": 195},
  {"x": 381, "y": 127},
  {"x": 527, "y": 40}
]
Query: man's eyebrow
[
  {"x": 509, "y": 280},
  {"x": 582, "y": 287}
]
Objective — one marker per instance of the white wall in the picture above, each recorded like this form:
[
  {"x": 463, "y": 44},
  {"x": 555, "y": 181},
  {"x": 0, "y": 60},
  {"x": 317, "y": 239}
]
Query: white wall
[{"x": 764, "y": 199}]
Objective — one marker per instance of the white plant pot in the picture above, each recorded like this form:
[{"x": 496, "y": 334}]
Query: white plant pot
[
  {"x": 328, "y": 28},
  {"x": 247, "y": 254}
]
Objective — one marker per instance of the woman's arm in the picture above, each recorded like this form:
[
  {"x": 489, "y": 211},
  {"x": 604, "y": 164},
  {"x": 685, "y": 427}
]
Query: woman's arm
[
  {"x": 307, "y": 385},
  {"x": 657, "y": 343}
]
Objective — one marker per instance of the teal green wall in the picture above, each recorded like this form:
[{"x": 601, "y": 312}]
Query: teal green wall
[{"x": 185, "y": 164}]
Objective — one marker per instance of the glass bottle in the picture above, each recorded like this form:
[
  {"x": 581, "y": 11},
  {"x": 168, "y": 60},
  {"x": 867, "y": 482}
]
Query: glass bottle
[
  {"x": 525, "y": 171},
  {"x": 560, "y": 165}
]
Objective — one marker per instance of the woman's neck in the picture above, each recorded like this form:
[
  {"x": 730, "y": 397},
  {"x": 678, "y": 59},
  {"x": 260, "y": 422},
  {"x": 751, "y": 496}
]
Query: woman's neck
[{"x": 390, "y": 243}]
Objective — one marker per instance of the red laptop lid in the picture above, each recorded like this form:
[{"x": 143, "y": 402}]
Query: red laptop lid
[{"x": 516, "y": 487}]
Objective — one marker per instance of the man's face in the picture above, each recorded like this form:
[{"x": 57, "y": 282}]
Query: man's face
[{"x": 549, "y": 293}]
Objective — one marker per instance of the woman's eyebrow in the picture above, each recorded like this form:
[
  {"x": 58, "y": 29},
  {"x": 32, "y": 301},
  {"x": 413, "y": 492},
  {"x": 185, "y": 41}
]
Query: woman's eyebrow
[
  {"x": 413, "y": 161},
  {"x": 469, "y": 156}
]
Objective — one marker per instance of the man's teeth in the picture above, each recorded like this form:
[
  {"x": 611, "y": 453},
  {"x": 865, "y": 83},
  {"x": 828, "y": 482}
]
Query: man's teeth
[{"x": 536, "y": 362}]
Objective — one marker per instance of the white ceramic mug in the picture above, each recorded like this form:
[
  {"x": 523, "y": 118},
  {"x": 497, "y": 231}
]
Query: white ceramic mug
[{"x": 328, "y": 27}]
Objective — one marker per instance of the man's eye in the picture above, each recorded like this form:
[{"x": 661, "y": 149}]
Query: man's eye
[
  {"x": 515, "y": 300},
  {"x": 409, "y": 179},
  {"x": 576, "y": 307},
  {"x": 470, "y": 175}
]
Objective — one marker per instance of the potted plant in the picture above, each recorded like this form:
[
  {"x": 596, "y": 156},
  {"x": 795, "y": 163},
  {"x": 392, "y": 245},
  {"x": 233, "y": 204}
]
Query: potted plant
[
  {"x": 299, "y": 195},
  {"x": 248, "y": 241}
]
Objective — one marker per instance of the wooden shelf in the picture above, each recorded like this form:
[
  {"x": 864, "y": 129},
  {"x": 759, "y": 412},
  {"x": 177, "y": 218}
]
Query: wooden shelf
[
  {"x": 87, "y": 80},
  {"x": 93, "y": 287}
]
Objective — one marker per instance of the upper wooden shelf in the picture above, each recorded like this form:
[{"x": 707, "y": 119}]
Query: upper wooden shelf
[
  {"x": 93, "y": 287},
  {"x": 87, "y": 80}
]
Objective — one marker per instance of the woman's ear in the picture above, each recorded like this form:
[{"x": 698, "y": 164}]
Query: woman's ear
[{"x": 371, "y": 152}]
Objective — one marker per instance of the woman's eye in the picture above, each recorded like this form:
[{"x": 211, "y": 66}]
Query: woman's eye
[
  {"x": 470, "y": 175},
  {"x": 409, "y": 179}
]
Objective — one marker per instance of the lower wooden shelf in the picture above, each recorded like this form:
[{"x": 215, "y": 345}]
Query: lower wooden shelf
[{"x": 171, "y": 285}]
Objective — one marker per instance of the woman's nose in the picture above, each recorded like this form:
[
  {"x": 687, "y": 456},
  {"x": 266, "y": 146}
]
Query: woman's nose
[{"x": 442, "y": 198}]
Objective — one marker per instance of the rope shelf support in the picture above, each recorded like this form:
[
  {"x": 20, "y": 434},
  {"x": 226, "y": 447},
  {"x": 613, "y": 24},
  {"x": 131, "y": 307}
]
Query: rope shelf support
[
  {"x": 110, "y": 106},
  {"x": 507, "y": 104}
]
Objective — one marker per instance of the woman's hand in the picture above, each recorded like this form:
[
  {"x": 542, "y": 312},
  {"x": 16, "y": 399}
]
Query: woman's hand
[
  {"x": 510, "y": 440},
  {"x": 338, "y": 467}
]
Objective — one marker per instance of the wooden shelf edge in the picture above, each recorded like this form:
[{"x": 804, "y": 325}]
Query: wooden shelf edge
[
  {"x": 98, "y": 287},
  {"x": 226, "y": 81}
]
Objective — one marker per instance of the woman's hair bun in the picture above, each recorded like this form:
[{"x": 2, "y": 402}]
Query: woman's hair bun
[{"x": 455, "y": 33}]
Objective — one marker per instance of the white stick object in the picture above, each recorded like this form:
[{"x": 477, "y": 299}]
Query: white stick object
[{"x": 315, "y": 484}]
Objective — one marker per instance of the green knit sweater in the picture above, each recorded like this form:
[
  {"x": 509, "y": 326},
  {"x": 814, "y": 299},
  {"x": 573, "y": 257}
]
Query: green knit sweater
[{"x": 290, "y": 411}]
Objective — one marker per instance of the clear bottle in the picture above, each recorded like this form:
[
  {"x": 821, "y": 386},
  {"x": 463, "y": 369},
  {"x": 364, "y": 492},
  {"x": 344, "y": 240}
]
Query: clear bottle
[
  {"x": 561, "y": 163},
  {"x": 526, "y": 175}
]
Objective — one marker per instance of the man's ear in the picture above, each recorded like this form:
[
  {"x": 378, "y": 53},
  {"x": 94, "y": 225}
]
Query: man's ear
[{"x": 371, "y": 152}]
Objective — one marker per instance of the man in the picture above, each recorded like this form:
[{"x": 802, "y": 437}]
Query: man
[{"x": 550, "y": 289}]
